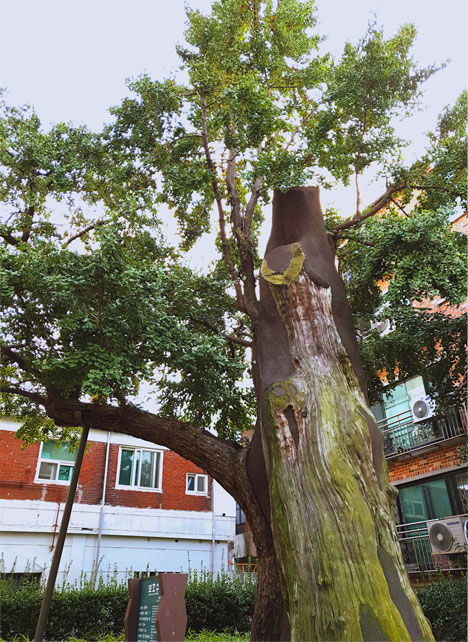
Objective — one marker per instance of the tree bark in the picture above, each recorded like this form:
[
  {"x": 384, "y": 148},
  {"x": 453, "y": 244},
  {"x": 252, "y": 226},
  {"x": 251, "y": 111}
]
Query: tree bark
[
  {"x": 340, "y": 566},
  {"x": 234, "y": 468}
]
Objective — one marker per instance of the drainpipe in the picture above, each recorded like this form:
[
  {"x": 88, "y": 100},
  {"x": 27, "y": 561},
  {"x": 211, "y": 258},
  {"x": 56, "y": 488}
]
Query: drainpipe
[
  {"x": 101, "y": 511},
  {"x": 213, "y": 527}
]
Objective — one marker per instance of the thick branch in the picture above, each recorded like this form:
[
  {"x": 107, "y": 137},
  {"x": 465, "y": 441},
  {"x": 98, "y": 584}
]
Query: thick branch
[
  {"x": 27, "y": 227},
  {"x": 217, "y": 457},
  {"x": 225, "y": 247},
  {"x": 374, "y": 208},
  {"x": 243, "y": 239},
  {"x": 34, "y": 396},
  {"x": 10, "y": 239},
  {"x": 14, "y": 357},
  {"x": 250, "y": 209}
]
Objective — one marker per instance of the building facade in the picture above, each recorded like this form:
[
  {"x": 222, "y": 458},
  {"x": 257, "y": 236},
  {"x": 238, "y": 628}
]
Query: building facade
[
  {"x": 423, "y": 457},
  {"x": 138, "y": 507}
]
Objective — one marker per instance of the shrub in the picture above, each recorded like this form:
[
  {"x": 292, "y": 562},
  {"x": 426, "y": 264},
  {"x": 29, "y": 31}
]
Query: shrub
[
  {"x": 444, "y": 603},
  {"x": 225, "y": 603},
  {"x": 219, "y": 605},
  {"x": 82, "y": 611}
]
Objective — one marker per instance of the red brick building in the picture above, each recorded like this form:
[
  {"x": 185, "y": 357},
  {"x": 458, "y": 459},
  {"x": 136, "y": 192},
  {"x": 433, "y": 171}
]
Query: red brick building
[
  {"x": 423, "y": 458},
  {"x": 137, "y": 506}
]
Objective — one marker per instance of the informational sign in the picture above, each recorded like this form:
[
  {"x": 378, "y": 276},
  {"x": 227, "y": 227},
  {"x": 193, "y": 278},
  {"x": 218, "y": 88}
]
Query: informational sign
[
  {"x": 156, "y": 609},
  {"x": 150, "y": 596}
]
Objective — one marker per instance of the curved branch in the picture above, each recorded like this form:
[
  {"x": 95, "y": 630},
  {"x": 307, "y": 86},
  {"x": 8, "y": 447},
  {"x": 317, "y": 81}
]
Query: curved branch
[
  {"x": 374, "y": 208},
  {"x": 199, "y": 446}
]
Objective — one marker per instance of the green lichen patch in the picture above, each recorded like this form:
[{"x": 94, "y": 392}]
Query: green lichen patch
[{"x": 292, "y": 271}]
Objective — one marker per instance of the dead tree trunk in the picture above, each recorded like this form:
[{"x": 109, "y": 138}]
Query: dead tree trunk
[{"x": 341, "y": 572}]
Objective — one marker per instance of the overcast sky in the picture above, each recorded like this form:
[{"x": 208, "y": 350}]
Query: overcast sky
[{"x": 70, "y": 58}]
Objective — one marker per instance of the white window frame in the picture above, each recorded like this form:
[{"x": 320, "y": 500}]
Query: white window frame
[
  {"x": 196, "y": 476},
  {"x": 61, "y": 482},
  {"x": 145, "y": 489}
]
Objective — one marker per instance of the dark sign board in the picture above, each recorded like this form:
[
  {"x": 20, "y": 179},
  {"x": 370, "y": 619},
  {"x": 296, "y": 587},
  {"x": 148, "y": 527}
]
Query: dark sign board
[
  {"x": 156, "y": 609},
  {"x": 150, "y": 596}
]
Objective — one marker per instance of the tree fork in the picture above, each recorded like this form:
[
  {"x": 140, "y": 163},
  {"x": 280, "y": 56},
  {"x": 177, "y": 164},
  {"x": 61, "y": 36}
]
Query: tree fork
[{"x": 340, "y": 565}]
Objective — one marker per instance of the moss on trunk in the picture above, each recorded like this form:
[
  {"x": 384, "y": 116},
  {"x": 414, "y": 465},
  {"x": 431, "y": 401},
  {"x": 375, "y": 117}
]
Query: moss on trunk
[{"x": 341, "y": 569}]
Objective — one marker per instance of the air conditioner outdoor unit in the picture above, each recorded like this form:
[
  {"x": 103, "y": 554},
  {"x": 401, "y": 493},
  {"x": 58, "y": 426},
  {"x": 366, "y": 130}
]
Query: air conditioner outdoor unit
[
  {"x": 448, "y": 536},
  {"x": 383, "y": 327},
  {"x": 422, "y": 409}
]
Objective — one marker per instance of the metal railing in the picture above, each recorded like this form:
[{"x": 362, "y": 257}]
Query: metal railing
[
  {"x": 401, "y": 434},
  {"x": 414, "y": 542},
  {"x": 416, "y": 549}
]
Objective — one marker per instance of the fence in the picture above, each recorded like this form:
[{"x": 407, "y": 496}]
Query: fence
[{"x": 401, "y": 434}]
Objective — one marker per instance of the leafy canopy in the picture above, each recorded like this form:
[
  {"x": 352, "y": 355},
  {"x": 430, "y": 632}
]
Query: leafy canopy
[{"x": 98, "y": 304}]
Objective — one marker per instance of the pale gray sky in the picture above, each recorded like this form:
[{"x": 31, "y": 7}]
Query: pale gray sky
[{"x": 70, "y": 58}]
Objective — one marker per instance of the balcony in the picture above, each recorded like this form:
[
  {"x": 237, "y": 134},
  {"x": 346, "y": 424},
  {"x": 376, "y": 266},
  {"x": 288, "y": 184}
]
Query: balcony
[
  {"x": 402, "y": 436},
  {"x": 416, "y": 549}
]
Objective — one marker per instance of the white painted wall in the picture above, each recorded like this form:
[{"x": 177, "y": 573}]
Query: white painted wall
[{"x": 132, "y": 539}]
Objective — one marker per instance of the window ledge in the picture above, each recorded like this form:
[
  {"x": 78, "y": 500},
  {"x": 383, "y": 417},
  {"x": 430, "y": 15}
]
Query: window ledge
[{"x": 139, "y": 489}]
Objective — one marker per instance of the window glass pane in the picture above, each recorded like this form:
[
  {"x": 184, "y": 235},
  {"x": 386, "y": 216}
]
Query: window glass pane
[
  {"x": 397, "y": 401},
  {"x": 147, "y": 469},
  {"x": 437, "y": 491},
  {"x": 462, "y": 488},
  {"x": 126, "y": 463},
  {"x": 413, "y": 504},
  {"x": 50, "y": 450},
  {"x": 47, "y": 471},
  {"x": 201, "y": 483},
  {"x": 65, "y": 472},
  {"x": 191, "y": 482},
  {"x": 136, "y": 476},
  {"x": 377, "y": 411}
]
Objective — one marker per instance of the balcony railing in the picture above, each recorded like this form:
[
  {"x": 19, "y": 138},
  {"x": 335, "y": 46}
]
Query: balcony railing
[
  {"x": 402, "y": 435},
  {"x": 414, "y": 541}
]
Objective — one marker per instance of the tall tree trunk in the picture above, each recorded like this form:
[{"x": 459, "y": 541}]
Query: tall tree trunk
[{"x": 340, "y": 566}]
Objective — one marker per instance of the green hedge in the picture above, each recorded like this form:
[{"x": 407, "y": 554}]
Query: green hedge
[
  {"x": 81, "y": 612},
  {"x": 223, "y": 604},
  {"x": 444, "y": 603}
]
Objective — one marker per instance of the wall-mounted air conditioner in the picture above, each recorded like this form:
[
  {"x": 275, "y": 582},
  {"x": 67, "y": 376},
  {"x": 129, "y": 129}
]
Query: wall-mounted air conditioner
[
  {"x": 422, "y": 408},
  {"x": 448, "y": 536}
]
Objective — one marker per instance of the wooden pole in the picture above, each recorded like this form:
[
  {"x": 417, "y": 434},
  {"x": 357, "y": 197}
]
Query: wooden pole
[{"x": 41, "y": 622}]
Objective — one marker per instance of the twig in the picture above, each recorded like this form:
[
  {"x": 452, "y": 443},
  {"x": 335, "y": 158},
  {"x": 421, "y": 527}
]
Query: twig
[
  {"x": 85, "y": 231},
  {"x": 399, "y": 206},
  {"x": 228, "y": 337}
]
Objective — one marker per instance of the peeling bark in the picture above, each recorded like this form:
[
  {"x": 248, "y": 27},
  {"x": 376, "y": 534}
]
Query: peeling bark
[{"x": 341, "y": 571}]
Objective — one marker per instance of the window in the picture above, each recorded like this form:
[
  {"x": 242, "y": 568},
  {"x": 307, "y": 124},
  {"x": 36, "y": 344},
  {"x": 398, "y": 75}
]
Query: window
[
  {"x": 197, "y": 484},
  {"x": 240, "y": 520},
  {"x": 139, "y": 469},
  {"x": 430, "y": 499},
  {"x": 56, "y": 462}
]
